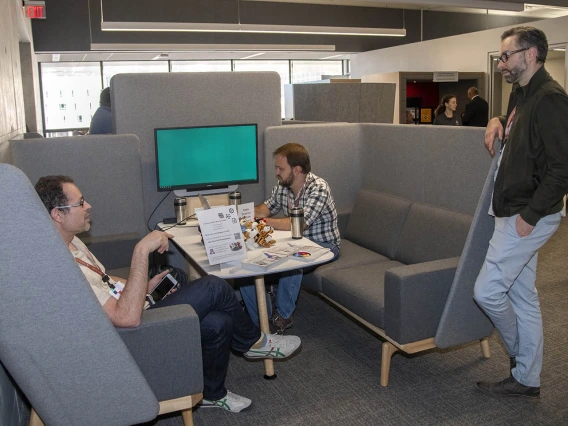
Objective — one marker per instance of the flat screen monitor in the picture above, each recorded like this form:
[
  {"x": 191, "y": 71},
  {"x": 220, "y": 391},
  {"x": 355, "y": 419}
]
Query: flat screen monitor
[{"x": 206, "y": 157}]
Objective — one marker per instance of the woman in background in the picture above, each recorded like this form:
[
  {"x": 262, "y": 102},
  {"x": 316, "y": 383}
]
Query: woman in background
[{"x": 445, "y": 114}]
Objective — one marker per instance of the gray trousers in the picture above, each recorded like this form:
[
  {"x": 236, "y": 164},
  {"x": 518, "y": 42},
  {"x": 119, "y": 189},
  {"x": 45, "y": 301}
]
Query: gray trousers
[{"x": 505, "y": 290}]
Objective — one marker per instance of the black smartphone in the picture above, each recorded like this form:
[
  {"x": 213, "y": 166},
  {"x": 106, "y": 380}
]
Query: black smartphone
[{"x": 163, "y": 288}]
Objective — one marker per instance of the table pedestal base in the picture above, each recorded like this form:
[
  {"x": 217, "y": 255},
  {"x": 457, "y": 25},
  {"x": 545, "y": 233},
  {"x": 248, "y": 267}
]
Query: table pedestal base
[{"x": 263, "y": 321}]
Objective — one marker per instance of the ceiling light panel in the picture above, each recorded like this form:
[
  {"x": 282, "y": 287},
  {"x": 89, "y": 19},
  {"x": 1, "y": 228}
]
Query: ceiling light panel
[{"x": 251, "y": 28}]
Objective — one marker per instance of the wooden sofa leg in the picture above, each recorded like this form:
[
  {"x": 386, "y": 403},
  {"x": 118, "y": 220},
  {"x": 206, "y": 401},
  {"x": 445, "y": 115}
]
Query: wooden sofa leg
[
  {"x": 485, "y": 347},
  {"x": 388, "y": 351},
  {"x": 187, "y": 416},
  {"x": 34, "y": 419}
]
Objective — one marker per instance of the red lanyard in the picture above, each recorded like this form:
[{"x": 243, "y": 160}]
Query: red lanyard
[{"x": 96, "y": 269}]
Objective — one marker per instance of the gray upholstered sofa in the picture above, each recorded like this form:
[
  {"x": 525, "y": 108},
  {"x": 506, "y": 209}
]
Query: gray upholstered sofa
[{"x": 398, "y": 260}]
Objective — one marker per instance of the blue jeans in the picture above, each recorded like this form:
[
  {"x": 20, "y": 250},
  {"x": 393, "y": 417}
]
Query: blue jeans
[
  {"x": 223, "y": 326},
  {"x": 505, "y": 290},
  {"x": 288, "y": 290}
]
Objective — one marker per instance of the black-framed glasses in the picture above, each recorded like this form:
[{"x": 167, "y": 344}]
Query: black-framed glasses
[
  {"x": 506, "y": 55},
  {"x": 79, "y": 204}
]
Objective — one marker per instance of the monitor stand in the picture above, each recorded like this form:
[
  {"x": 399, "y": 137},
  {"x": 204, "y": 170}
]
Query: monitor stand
[{"x": 193, "y": 193}]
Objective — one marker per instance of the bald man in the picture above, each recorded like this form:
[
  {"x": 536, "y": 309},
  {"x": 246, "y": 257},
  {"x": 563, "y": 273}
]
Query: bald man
[{"x": 477, "y": 111}]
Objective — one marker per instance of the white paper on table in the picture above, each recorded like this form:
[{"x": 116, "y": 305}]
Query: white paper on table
[
  {"x": 221, "y": 232},
  {"x": 246, "y": 211}
]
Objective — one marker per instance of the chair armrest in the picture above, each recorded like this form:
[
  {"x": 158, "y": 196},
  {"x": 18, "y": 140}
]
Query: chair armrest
[
  {"x": 167, "y": 348},
  {"x": 415, "y": 296}
]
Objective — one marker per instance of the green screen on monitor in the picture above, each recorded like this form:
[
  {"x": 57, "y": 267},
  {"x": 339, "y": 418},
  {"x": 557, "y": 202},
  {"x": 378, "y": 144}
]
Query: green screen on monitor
[{"x": 199, "y": 158}]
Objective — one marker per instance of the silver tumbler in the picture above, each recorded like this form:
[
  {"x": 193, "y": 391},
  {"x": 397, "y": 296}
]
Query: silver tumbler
[
  {"x": 235, "y": 198},
  {"x": 179, "y": 206},
  {"x": 297, "y": 222}
]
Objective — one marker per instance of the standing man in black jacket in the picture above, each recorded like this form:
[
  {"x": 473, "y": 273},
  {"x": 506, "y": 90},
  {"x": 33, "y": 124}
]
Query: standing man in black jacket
[
  {"x": 530, "y": 183},
  {"x": 477, "y": 111}
]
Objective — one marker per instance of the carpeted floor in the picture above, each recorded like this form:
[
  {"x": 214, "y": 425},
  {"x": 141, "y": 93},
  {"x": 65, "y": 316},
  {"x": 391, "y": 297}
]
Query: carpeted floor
[{"x": 334, "y": 379}]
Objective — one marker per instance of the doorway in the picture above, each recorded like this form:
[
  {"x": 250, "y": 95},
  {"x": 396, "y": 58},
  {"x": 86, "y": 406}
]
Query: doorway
[{"x": 420, "y": 95}]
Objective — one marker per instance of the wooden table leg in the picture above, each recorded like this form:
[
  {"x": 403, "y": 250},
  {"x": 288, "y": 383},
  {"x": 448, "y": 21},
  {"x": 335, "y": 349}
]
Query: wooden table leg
[{"x": 263, "y": 321}]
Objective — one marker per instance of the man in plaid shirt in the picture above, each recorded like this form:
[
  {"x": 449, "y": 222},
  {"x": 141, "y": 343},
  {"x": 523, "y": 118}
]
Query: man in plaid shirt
[{"x": 297, "y": 187}]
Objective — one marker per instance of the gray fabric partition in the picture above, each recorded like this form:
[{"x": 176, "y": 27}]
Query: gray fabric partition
[
  {"x": 346, "y": 101},
  {"x": 335, "y": 155},
  {"x": 438, "y": 165},
  {"x": 462, "y": 320},
  {"x": 55, "y": 340},
  {"x": 106, "y": 168},
  {"x": 143, "y": 102}
]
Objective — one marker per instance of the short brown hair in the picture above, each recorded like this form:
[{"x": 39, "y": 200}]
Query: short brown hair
[
  {"x": 50, "y": 191},
  {"x": 528, "y": 37},
  {"x": 296, "y": 155}
]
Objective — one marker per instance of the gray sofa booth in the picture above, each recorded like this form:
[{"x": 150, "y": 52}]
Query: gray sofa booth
[
  {"x": 413, "y": 203},
  {"x": 388, "y": 181},
  {"x": 56, "y": 343}
]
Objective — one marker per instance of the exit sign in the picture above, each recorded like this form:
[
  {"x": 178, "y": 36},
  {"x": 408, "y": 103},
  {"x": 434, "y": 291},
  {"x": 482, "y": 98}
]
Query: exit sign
[{"x": 35, "y": 9}]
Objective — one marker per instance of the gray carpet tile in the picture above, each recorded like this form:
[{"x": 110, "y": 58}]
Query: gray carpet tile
[{"x": 334, "y": 379}]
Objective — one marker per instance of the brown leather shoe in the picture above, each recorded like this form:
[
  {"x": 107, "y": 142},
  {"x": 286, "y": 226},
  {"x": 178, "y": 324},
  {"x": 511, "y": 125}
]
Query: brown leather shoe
[
  {"x": 508, "y": 387},
  {"x": 282, "y": 324}
]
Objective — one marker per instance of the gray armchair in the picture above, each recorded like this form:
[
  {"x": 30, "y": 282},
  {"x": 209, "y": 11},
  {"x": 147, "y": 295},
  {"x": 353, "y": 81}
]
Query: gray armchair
[{"x": 60, "y": 348}]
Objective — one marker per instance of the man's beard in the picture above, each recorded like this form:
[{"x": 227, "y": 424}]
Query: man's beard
[
  {"x": 286, "y": 183},
  {"x": 516, "y": 73}
]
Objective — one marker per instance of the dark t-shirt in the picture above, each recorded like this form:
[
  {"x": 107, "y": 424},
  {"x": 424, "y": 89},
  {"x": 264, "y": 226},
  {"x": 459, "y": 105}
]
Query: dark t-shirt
[
  {"x": 101, "y": 122},
  {"x": 442, "y": 120}
]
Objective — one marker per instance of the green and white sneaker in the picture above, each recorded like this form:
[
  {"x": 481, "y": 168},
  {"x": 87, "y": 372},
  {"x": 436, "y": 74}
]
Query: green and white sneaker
[
  {"x": 276, "y": 346},
  {"x": 230, "y": 402}
]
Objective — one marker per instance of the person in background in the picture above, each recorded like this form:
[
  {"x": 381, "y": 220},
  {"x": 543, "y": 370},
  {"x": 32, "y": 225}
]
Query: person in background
[
  {"x": 530, "y": 183},
  {"x": 476, "y": 111},
  {"x": 297, "y": 187},
  {"x": 445, "y": 114},
  {"x": 223, "y": 323},
  {"x": 101, "y": 122}
]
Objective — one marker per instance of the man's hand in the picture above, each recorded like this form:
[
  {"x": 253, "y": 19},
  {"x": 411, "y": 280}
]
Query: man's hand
[
  {"x": 156, "y": 240},
  {"x": 523, "y": 228},
  {"x": 261, "y": 211},
  {"x": 156, "y": 279},
  {"x": 494, "y": 130}
]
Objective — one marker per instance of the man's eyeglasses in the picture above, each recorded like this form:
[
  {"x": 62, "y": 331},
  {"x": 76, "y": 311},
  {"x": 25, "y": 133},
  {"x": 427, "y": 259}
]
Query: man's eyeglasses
[
  {"x": 506, "y": 55},
  {"x": 79, "y": 204}
]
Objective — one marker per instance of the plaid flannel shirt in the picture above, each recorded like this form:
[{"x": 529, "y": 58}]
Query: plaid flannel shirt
[{"x": 320, "y": 215}]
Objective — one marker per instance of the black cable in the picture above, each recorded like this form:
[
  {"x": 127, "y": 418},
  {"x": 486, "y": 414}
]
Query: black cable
[
  {"x": 154, "y": 211},
  {"x": 176, "y": 224}
]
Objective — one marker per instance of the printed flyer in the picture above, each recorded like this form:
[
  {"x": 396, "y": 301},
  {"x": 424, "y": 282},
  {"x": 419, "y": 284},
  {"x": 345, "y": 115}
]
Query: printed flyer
[{"x": 221, "y": 232}]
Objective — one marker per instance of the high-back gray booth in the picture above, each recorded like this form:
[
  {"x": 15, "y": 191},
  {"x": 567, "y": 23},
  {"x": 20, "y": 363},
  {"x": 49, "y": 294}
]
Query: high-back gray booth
[{"x": 437, "y": 166}]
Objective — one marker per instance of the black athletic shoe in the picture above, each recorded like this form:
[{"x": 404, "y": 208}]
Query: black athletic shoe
[{"x": 508, "y": 387}]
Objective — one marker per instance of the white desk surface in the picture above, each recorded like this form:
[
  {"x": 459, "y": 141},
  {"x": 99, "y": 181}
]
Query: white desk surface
[{"x": 188, "y": 239}]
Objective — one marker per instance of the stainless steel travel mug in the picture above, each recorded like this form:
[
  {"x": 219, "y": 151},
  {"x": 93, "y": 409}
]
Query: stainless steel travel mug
[
  {"x": 297, "y": 222},
  {"x": 235, "y": 198},
  {"x": 179, "y": 206}
]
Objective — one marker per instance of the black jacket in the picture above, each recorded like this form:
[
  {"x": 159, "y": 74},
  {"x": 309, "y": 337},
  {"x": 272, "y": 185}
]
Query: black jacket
[
  {"x": 533, "y": 174},
  {"x": 476, "y": 113}
]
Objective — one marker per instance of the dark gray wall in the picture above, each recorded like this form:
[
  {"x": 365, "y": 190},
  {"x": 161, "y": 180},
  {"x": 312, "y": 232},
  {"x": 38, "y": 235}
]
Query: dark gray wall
[{"x": 73, "y": 24}]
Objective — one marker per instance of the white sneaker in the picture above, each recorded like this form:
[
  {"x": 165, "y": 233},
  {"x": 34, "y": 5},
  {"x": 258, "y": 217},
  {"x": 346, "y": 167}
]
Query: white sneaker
[
  {"x": 276, "y": 347},
  {"x": 230, "y": 402}
]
